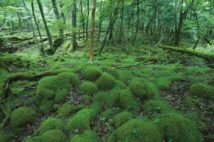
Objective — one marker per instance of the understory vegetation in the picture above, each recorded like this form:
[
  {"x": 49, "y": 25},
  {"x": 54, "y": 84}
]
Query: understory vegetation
[{"x": 139, "y": 80}]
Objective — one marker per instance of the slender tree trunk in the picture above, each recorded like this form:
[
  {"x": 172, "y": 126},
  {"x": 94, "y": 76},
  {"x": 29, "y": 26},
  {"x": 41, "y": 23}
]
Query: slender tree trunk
[
  {"x": 92, "y": 31},
  {"x": 87, "y": 21},
  {"x": 62, "y": 13},
  {"x": 121, "y": 32},
  {"x": 46, "y": 27},
  {"x": 74, "y": 24},
  {"x": 138, "y": 20},
  {"x": 56, "y": 11},
  {"x": 83, "y": 20}
]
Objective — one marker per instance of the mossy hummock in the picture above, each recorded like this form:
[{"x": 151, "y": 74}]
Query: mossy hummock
[
  {"x": 87, "y": 136},
  {"x": 121, "y": 118},
  {"x": 105, "y": 82},
  {"x": 91, "y": 73},
  {"x": 88, "y": 88}
]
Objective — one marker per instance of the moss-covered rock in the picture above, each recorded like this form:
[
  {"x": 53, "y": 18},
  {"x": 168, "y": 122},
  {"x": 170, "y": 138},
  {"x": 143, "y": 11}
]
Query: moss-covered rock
[
  {"x": 91, "y": 73},
  {"x": 202, "y": 91},
  {"x": 156, "y": 107},
  {"x": 22, "y": 116},
  {"x": 53, "y": 136},
  {"x": 121, "y": 118},
  {"x": 50, "y": 124},
  {"x": 105, "y": 82},
  {"x": 175, "y": 127},
  {"x": 54, "y": 89},
  {"x": 88, "y": 136},
  {"x": 142, "y": 89},
  {"x": 88, "y": 88},
  {"x": 136, "y": 131},
  {"x": 81, "y": 120},
  {"x": 65, "y": 110}
]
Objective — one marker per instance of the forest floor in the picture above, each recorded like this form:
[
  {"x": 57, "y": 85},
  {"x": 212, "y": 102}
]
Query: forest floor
[{"x": 67, "y": 93}]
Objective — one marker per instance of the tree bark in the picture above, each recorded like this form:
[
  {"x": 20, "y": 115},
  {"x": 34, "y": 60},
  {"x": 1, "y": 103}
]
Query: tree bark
[{"x": 74, "y": 24}]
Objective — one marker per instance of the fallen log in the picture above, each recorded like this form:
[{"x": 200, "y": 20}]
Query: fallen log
[{"x": 208, "y": 57}]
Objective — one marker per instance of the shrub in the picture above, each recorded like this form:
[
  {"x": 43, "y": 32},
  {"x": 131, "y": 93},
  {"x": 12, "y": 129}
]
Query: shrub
[
  {"x": 136, "y": 131},
  {"x": 121, "y": 118},
  {"x": 142, "y": 89},
  {"x": 105, "y": 82},
  {"x": 88, "y": 136},
  {"x": 156, "y": 107},
  {"x": 91, "y": 73},
  {"x": 53, "y": 136},
  {"x": 50, "y": 124},
  {"x": 175, "y": 127},
  {"x": 22, "y": 116},
  {"x": 88, "y": 88},
  {"x": 202, "y": 91},
  {"x": 81, "y": 120}
]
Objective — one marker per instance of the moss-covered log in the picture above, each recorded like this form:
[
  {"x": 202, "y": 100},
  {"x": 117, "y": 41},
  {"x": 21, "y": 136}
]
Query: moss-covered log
[{"x": 208, "y": 57}]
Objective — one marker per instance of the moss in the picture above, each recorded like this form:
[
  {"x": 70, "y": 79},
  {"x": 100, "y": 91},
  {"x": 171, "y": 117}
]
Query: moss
[
  {"x": 65, "y": 110},
  {"x": 142, "y": 89},
  {"x": 50, "y": 124},
  {"x": 105, "y": 82},
  {"x": 88, "y": 136},
  {"x": 4, "y": 137},
  {"x": 202, "y": 91},
  {"x": 53, "y": 136},
  {"x": 88, "y": 88},
  {"x": 163, "y": 83},
  {"x": 156, "y": 107},
  {"x": 81, "y": 120},
  {"x": 22, "y": 116},
  {"x": 121, "y": 118},
  {"x": 112, "y": 71},
  {"x": 55, "y": 89},
  {"x": 175, "y": 127},
  {"x": 34, "y": 139},
  {"x": 91, "y": 73},
  {"x": 109, "y": 113},
  {"x": 136, "y": 131}
]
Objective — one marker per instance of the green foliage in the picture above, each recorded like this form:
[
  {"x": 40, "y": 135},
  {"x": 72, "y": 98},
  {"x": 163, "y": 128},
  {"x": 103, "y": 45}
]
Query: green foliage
[
  {"x": 53, "y": 136},
  {"x": 22, "y": 116},
  {"x": 81, "y": 120},
  {"x": 202, "y": 91},
  {"x": 142, "y": 89},
  {"x": 88, "y": 88},
  {"x": 50, "y": 124},
  {"x": 87, "y": 136},
  {"x": 136, "y": 131},
  {"x": 91, "y": 73},
  {"x": 156, "y": 107},
  {"x": 105, "y": 82},
  {"x": 175, "y": 127},
  {"x": 4, "y": 137},
  {"x": 121, "y": 118}
]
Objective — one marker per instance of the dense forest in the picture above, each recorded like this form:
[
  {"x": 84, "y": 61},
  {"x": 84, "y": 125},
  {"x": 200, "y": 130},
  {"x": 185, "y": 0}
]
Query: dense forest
[{"x": 106, "y": 71}]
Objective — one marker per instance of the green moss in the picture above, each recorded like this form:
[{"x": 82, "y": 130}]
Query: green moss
[
  {"x": 105, "y": 82},
  {"x": 202, "y": 91},
  {"x": 175, "y": 127},
  {"x": 65, "y": 110},
  {"x": 4, "y": 137},
  {"x": 163, "y": 83},
  {"x": 156, "y": 107},
  {"x": 88, "y": 136},
  {"x": 91, "y": 73},
  {"x": 34, "y": 139},
  {"x": 46, "y": 106},
  {"x": 22, "y": 116},
  {"x": 109, "y": 113},
  {"x": 53, "y": 136},
  {"x": 88, "y": 88},
  {"x": 112, "y": 71},
  {"x": 121, "y": 118},
  {"x": 136, "y": 131},
  {"x": 142, "y": 89},
  {"x": 81, "y": 120},
  {"x": 50, "y": 124}
]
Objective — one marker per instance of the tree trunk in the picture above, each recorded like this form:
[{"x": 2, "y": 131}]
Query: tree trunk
[
  {"x": 83, "y": 20},
  {"x": 138, "y": 20},
  {"x": 74, "y": 24},
  {"x": 46, "y": 27},
  {"x": 92, "y": 31},
  {"x": 87, "y": 21}
]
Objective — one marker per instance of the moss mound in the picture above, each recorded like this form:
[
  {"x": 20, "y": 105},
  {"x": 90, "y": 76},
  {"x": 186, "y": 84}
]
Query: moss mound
[
  {"x": 54, "y": 89},
  {"x": 202, "y": 91},
  {"x": 65, "y": 110},
  {"x": 50, "y": 124},
  {"x": 121, "y": 118},
  {"x": 142, "y": 89},
  {"x": 136, "y": 131},
  {"x": 22, "y": 116},
  {"x": 81, "y": 120},
  {"x": 113, "y": 72},
  {"x": 4, "y": 137},
  {"x": 105, "y": 82},
  {"x": 175, "y": 127},
  {"x": 88, "y": 136},
  {"x": 88, "y": 88},
  {"x": 91, "y": 73},
  {"x": 156, "y": 107},
  {"x": 53, "y": 136}
]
